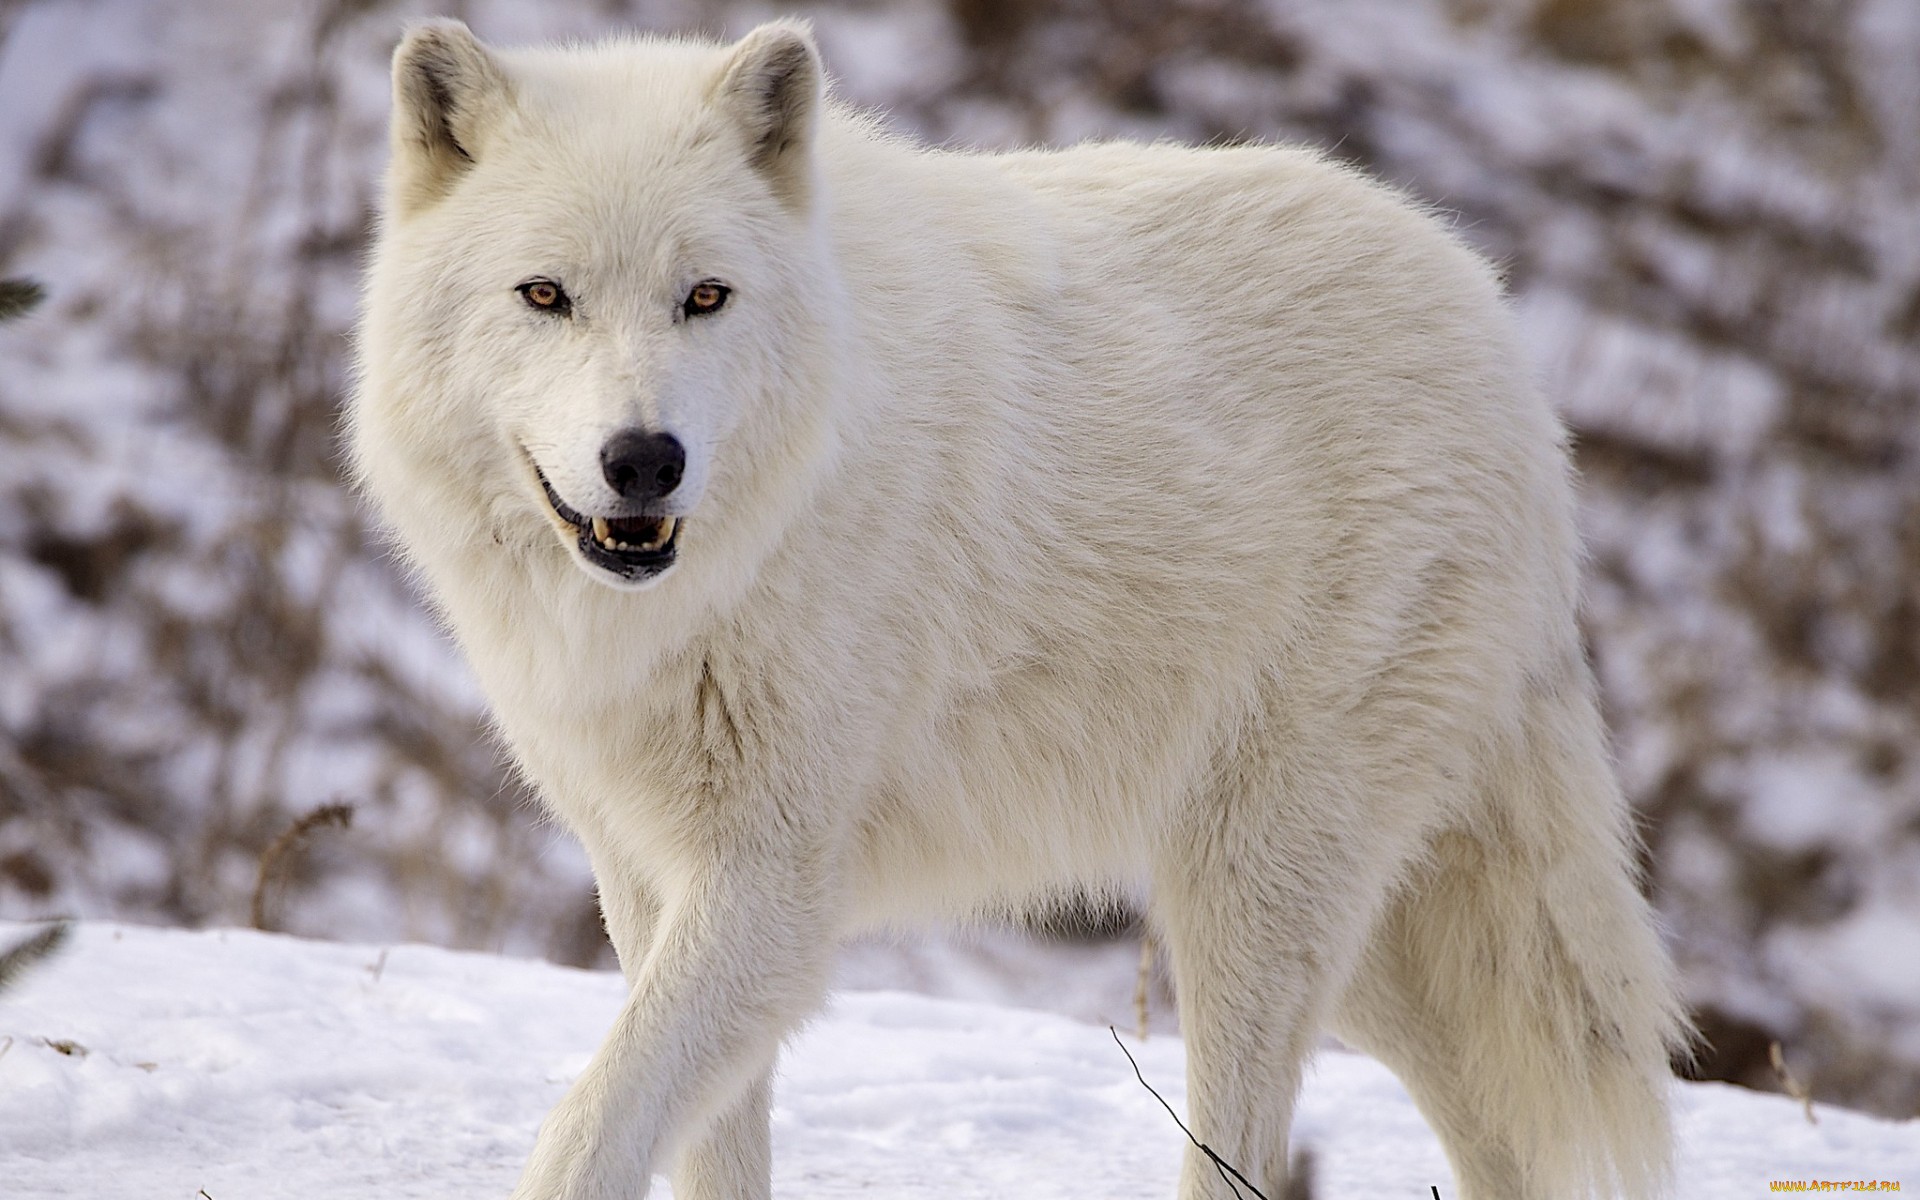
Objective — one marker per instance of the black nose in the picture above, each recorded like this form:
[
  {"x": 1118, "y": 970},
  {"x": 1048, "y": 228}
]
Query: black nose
[{"x": 643, "y": 466}]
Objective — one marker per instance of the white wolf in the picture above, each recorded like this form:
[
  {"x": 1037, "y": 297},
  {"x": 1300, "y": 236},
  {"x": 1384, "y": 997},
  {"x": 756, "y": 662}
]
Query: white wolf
[{"x": 849, "y": 533}]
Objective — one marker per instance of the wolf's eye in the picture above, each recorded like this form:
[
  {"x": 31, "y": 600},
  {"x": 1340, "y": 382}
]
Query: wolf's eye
[
  {"x": 705, "y": 298},
  {"x": 547, "y": 296}
]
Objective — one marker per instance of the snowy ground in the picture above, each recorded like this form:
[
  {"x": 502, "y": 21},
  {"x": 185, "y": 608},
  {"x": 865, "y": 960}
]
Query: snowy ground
[
  {"x": 158, "y": 1063},
  {"x": 1706, "y": 210}
]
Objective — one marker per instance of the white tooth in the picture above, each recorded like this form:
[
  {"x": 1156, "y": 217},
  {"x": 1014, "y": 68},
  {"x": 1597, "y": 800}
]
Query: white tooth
[{"x": 600, "y": 529}]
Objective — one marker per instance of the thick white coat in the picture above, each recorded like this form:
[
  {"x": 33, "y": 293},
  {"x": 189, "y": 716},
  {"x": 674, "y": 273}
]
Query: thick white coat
[{"x": 1166, "y": 523}]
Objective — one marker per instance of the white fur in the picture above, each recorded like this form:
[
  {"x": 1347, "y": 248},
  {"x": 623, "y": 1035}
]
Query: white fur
[{"x": 1164, "y": 523}]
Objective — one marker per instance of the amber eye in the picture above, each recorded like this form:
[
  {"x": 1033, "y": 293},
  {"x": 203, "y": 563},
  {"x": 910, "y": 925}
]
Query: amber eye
[
  {"x": 547, "y": 296},
  {"x": 705, "y": 298}
]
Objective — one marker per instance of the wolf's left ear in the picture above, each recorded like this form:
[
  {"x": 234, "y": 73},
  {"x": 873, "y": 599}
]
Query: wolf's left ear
[
  {"x": 772, "y": 86},
  {"x": 448, "y": 93}
]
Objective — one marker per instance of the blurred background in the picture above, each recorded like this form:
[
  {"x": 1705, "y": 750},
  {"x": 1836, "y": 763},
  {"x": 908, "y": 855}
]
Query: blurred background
[{"x": 1708, "y": 212}]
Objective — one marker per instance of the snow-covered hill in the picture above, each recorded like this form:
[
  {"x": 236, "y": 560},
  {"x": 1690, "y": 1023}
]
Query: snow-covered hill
[{"x": 144, "y": 1063}]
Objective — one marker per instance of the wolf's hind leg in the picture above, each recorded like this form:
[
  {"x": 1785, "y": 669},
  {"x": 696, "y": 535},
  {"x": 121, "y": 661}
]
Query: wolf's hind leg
[
  {"x": 1392, "y": 1011},
  {"x": 1260, "y": 945},
  {"x": 1516, "y": 984}
]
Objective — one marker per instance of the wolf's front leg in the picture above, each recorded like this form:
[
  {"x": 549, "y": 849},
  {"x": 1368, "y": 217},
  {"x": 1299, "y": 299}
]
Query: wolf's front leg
[
  {"x": 732, "y": 1158},
  {"x": 740, "y": 953}
]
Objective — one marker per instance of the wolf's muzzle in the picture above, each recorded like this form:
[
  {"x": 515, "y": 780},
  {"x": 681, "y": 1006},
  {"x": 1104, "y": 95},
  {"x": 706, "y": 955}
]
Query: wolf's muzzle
[{"x": 642, "y": 467}]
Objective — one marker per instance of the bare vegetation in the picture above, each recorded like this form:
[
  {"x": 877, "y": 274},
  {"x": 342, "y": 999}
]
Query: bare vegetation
[
  {"x": 275, "y": 855},
  {"x": 205, "y": 641},
  {"x": 16, "y": 960}
]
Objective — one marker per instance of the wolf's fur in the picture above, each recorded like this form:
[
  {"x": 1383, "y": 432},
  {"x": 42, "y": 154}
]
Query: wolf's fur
[{"x": 1176, "y": 524}]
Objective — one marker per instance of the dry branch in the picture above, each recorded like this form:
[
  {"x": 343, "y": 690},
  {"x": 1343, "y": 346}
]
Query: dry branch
[
  {"x": 1142, "y": 987},
  {"x": 18, "y": 959},
  {"x": 295, "y": 835},
  {"x": 1794, "y": 1087}
]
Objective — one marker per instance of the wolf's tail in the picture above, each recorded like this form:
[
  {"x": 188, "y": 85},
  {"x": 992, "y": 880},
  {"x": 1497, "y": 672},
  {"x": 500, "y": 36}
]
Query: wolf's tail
[{"x": 1518, "y": 985}]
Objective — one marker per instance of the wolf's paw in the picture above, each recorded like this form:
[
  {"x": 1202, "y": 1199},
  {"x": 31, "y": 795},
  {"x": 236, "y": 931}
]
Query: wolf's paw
[{"x": 575, "y": 1158}]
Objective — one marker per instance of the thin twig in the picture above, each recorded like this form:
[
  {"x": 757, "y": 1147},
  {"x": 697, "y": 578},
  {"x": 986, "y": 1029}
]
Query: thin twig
[
  {"x": 1140, "y": 988},
  {"x": 1221, "y": 1165},
  {"x": 326, "y": 814},
  {"x": 1794, "y": 1087}
]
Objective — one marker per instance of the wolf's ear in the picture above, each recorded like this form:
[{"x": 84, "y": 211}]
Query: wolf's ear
[
  {"x": 772, "y": 87},
  {"x": 448, "y": 93}
]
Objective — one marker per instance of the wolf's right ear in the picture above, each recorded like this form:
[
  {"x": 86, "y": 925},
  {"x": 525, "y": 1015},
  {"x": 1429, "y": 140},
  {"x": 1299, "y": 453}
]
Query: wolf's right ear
[
  {"x": 448, "y": 93},
  {"x": 773, "y": 85}
]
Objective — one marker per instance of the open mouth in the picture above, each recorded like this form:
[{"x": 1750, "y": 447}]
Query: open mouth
[{"x": 632, "y": 548}]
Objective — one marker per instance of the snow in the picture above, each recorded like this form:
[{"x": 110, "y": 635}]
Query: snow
[
  {"x": 251, "y": 1066},
  {"x": 1710, "y": 234}
]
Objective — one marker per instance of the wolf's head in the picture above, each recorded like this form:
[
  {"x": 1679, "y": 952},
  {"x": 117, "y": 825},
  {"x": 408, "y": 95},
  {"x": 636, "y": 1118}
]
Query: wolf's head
[{"x": 595, "y": 301}]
